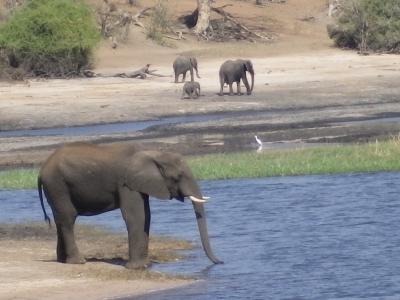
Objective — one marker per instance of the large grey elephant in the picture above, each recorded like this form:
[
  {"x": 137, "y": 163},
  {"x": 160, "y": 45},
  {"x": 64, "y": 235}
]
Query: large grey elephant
[
  {"x": 182, "y": 64},
  {"x": 82, "y": 179},
  {"x": 233, "y": 71}
]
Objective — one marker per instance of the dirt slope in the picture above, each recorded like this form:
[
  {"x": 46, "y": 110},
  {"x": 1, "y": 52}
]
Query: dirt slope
[{"x": 296, "y": 26}]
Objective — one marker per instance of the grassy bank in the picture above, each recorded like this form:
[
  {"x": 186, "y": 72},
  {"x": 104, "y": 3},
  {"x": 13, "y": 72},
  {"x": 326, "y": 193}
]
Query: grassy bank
[{"x": 371, "y": 157}]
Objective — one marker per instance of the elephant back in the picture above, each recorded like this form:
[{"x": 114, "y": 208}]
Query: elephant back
[{"x": 182, "y": 63}]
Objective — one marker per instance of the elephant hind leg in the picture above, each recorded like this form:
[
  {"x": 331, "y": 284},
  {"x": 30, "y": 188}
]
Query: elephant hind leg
[
  {"x": 184, "y": 76},
  {"x": 221, "y": 82},
  {"x": 238, "y": 88},
  {"x": 231, "y": 89},
  {"x": 64, "y": 217},
  {"x": 67, "y": 250}
]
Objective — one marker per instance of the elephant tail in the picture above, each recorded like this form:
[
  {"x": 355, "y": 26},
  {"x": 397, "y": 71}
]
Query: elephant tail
[{"x": 40, "y": 190}]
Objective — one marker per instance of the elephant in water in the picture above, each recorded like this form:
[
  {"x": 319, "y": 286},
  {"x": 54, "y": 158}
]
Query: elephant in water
[
  {"x": 82, "y": 179},
  {"x": 192, "y": 89},
  {"x": 182, "y": 64},
  {"x": 233, "y": 71}
]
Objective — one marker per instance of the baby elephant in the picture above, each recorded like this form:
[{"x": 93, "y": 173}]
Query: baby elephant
[{"x": 192, "y": 89}]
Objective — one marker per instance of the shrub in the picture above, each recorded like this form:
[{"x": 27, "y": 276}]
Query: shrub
[
  {"x": 160, "y": 22},
  {"x": 368, "y": 25},
  {"x": 50, "y": 37}
]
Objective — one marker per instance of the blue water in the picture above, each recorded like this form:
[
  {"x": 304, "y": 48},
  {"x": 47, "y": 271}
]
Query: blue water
[
  {"x": 306, "y": 237},
  {"x": 109, "y": 128}
]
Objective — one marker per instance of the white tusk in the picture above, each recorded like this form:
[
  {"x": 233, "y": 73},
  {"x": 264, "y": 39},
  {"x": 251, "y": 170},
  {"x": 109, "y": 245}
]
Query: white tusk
[
  {"x": 194, "y": 199},
  {"x": 206, "y": 198}
]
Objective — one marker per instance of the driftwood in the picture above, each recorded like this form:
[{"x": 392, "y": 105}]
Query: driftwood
[
  {"x": 227, "y": 16},
  {"x": 136, "y": 17},
  {"x": 141, "y": 73},
  {"x": 135, "y": 20}
]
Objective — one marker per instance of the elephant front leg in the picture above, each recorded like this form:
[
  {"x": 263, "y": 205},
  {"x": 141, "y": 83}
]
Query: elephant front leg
[{"x": 135, "y": 210}]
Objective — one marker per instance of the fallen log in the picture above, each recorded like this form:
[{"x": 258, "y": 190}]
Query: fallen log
[{"x": 140, "y": 73}]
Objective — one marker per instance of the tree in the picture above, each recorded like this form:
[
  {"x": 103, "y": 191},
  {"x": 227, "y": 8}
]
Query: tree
[
  {"x": 50, "y": 37},
  {"x": 203, "y": 19}
]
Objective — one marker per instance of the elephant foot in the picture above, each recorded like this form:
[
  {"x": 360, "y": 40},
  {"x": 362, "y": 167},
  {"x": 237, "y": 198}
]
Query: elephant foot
[
  {"x": 248, "y": 93},
  {"x": 141, "y": 264},
  {"x": 239, "y": 94},
  {"x": 220, "y": 94},
  {"x": 75, "y": 260}
]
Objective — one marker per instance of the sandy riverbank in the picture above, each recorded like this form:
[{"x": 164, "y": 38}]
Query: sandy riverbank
[
  {"x": 316, "y": 97},
  {"x": 28, "y": 269}
]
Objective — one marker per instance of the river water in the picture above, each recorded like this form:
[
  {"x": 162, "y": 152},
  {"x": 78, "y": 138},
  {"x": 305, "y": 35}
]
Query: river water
[{"x": 305, "y": 237}]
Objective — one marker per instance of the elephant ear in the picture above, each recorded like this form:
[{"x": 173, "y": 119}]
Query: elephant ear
[
  {"x": 248, "y": 66},
  {"x": 143, "y": 175},
  {"x": 193, "y": 61}
]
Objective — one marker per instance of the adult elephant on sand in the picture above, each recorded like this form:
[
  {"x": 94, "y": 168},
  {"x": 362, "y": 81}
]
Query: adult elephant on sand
[
  {"x": 233, "y": 71},
  {"x": 86, "y": 179},
  {"x": 182, "y": 64}
]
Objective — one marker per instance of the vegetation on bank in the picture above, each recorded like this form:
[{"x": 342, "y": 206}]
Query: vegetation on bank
[
  {"x": 49, "y": 38},
  {"x": 371, "y": 157},
  {"x": 368, "y": 25}
]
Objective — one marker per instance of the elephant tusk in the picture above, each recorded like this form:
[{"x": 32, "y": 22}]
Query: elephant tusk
[
  {"x": 194, "y": 199},
  {"x": 206, "y": 198}
]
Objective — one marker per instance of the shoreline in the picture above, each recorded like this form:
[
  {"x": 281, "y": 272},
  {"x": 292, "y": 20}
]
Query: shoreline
[
  {"x": 28, "y": 269},
  {"x": 330, "y": 96}
]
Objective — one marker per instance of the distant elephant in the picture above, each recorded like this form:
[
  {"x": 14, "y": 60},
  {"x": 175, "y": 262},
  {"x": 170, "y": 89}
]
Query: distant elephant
[
  {"x": 182, "y": 64},
  {"x": 192, "y": 89},
  {"x": 82, "y": 179},
  {"x": 233, "y": 71}
]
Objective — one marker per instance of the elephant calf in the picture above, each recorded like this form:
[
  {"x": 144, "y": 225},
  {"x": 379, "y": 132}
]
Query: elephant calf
[
  {"x": 233, "y": 71},
  {"x": 82, "y": 179},
  {"x": 182, "y": 64},
  {"x": 192, "y": 89}
]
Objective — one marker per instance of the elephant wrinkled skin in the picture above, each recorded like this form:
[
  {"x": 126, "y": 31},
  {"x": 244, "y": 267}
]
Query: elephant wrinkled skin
[
  {"x": 233, "y": 71},
  {"x": 182, "y": 64},
  {"x": 86, "y": 179},
  {"x": 192, "y": 89}
]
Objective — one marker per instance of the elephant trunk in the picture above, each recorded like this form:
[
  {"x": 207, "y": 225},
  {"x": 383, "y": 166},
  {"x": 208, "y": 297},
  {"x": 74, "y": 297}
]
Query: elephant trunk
[
  {"x": 201, "y": 222},
  {"x": 197, "y": 72}
]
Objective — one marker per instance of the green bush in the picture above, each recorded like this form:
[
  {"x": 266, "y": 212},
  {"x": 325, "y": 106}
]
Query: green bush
[
  {"x": 368, "y": 25},
  {"x": 50, "y": 37}
]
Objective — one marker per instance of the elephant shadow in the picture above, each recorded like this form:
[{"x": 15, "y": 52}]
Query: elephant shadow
[{"x": 118, "y": 261}]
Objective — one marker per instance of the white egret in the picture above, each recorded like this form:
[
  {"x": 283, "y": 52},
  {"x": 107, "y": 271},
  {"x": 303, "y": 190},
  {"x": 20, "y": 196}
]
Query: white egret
[{"x": 259, "y": 142}]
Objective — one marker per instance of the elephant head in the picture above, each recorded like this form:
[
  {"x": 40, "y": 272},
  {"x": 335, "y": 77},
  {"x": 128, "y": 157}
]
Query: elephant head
[
  {"x": 248, "y": 66},
  {"x": 166, "y": 176}
]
